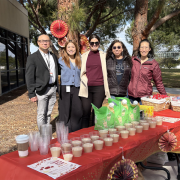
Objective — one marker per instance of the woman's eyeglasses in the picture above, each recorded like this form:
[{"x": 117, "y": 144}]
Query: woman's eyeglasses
[
  {"x": 118, "y": 47},
  {"x": 92, "y": 43}
]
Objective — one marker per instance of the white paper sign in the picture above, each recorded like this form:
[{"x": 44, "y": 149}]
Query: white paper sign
[{"x": 54, "y": 167}]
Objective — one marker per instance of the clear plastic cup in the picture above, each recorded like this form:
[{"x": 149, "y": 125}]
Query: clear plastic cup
[
  {"x": 77, "y": 151},
  {"x": 152, "y": 124},
  {"x": 98, "y": 144},
  {"x": 55, "y": 150},
  {"x": 34, "y": 140},
  {"x": 85, "y": 138},
  {"x": 66, "y": 145},
  {"x": 94, "y": 135},
  {"x": 135, "y": 123},
  {"x": 67, "y": 155},
  {"x": 103, "y": 133},
  {"x": 124, "y": 134},
  {"x": 120, "y": 128},
  {"x": 112, "y": 130},
  {"x": 88, "y": 147},
  {"x": 76, "y": 141},
  {"x": 115, "y": 137},
  {"x": 108, "y": 140},
  {"x": 128, "y": 125},
  {"x": 46, "y": 129},
  {"x": 145, "y": 126},
  {"x": 139, "y": 129},
  {"x": 44, "y": 142},
  {"x": 132, "y": 131}
]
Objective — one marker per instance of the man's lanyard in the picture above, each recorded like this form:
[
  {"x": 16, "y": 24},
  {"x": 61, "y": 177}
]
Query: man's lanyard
[{"x": 47, "y": 61}]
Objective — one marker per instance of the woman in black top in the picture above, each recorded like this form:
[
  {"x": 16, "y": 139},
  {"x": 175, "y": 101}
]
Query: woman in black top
[{"x": 119, "y": 66}]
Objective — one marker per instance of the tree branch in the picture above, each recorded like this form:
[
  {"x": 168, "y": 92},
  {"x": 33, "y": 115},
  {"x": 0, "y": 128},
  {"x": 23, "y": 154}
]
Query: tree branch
[
  {"x": 91, "y": 30},
  {"x": 163, "y": 20},
  {"x": 100, "y": 22},
  {"x": 154, "y": 18},
  {"x": 107, "y": 14},
  {"x": 41, "y": 29},
  {"x": 92, "y": 12}
]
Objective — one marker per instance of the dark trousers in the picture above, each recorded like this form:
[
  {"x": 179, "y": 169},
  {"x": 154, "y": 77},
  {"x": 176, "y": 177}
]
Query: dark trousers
[
  {"x": 96, "y": 95},
  {"x": 132, "y": 99},
  {"x": 70, "y": 108}
]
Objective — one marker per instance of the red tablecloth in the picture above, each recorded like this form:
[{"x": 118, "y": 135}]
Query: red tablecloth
[{"x": 95, "y": 165}]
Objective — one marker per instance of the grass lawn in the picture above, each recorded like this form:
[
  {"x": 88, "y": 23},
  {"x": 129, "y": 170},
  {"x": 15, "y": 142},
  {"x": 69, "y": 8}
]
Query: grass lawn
[{"x": 171, "y": 78}]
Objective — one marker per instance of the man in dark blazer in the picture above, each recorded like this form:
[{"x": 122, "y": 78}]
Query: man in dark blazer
[{"x": 42, "y": 79}]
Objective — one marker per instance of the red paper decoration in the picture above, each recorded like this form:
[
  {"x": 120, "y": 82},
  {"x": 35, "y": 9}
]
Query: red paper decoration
[
  {"x": 125, "y": 169},
  {"x": 62, "y": 41},
  {"x": 84, "y": 44},
  {"x": 167, "y": 142},
  {"x": 59, "y": 28}
]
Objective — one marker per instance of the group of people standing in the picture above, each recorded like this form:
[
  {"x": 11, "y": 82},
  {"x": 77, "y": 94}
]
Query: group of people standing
[{"x": 89, "y": 79}]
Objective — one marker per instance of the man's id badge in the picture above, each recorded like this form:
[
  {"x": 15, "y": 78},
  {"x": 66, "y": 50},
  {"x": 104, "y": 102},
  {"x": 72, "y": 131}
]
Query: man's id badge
[
  {"x": 51, "y": 74},
  {"x": 67, "y": 88}
]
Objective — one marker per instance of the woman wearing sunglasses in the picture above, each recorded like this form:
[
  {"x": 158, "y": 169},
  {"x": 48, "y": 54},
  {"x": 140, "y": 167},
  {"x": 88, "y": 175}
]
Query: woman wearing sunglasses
[
  {"x": 119, "y": 65},
  {"x": 145, "y": 68},
  {"x": 94, "y": 85}
]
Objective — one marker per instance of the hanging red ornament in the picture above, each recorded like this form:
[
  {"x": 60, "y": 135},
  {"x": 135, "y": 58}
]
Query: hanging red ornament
[
  {"x": 59, "y": 28},
  {"x": 84, "y": 44},
  {"x": 62, "y": 41},
  {"x": 167, "y": 142},
  {"x": 124, "y": 169}
]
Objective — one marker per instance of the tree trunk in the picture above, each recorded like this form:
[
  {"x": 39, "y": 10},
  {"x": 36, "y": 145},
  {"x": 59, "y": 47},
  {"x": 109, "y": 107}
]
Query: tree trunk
[
  {"x": 140, "y": 22},
  {"x": 66, "y": 7}
]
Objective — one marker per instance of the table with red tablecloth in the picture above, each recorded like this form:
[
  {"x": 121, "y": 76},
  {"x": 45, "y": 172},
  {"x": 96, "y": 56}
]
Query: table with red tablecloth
[{"x": 95, "y": 165}]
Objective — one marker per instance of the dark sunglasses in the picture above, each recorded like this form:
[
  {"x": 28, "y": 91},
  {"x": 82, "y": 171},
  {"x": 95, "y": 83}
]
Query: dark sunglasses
[
  {"x": 118, "y": 47},
  {"x": 92, "y": 43}
]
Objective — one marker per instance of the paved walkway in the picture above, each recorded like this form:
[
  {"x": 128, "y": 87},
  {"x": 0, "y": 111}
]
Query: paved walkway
[{"x": 170, "y": 90}]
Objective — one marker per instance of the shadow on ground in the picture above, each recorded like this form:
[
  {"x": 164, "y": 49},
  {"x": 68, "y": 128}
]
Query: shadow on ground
[{"x": 13, "y": 94}]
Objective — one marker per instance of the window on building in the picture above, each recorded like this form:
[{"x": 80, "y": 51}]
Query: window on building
[{"x": 13, "y": 57}]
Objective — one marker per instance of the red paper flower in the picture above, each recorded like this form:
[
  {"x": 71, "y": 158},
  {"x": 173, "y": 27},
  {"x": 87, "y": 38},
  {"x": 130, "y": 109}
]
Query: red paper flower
[
  {"x": 124, "y": 170},
  {"x": 84, "y": 44},
  {"x": 59, "y": 28},
  {"x": 167, "y": 142},
  {"x": 62, "y": 41}
]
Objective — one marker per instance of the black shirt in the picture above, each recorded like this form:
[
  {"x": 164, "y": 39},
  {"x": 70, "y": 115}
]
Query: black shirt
[{"x": 119, "y": 70}]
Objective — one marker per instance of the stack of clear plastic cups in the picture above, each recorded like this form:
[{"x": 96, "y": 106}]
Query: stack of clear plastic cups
[
  {"x": 44, "y": 142},
  {"x": 34, "y": 140},
  {"x": 58, "y": 133},
  {"x": 46, "y": 129}
]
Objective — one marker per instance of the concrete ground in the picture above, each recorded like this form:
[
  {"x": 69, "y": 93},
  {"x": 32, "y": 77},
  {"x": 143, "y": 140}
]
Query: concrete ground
[
  {"x": 170, "y": 90},
  {"x": 159, "y": 174}
]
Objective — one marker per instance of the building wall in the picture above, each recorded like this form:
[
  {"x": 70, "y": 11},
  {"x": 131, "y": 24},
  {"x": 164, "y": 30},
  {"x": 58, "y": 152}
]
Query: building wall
[{"x": 14, "y": 17}]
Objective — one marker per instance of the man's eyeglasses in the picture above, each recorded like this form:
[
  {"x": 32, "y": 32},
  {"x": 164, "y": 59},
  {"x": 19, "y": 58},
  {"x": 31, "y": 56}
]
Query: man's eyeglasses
[
  {"x": 118, "y": 47},
  {"x": 44, "y": 41},
  {"x": 92, "y": 43}
]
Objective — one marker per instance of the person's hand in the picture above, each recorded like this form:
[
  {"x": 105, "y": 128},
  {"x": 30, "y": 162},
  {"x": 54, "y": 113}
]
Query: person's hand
[
  {"x": 34, "y": 99},
  {"x": 152, "y": 83}
]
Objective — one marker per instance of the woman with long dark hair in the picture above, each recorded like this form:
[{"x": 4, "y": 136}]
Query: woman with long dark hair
[
  {"x": 70, "y": 106},
  {"x": 145, "y": 68},
  {"x": 119, "y": 65},
  {"x": 94, "y": 85}
]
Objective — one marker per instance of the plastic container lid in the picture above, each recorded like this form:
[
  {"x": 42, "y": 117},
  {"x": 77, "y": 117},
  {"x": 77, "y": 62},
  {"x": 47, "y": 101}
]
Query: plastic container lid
[
  {"x": 124, "y": 101},
  {"x": 111, "y": 105},
  {"x": 135, "y": 103},
  {"x": 22, "y": 138}
]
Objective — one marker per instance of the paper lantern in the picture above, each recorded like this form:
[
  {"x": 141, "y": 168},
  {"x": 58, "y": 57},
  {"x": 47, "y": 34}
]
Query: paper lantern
[
  {"x": 59, "y": 28},
  {"x": 167, "y": 142},
  {"x": 62, "y": 41},
  {"x": 84, "y": 44},
  {"x": 125, "y": 169}
]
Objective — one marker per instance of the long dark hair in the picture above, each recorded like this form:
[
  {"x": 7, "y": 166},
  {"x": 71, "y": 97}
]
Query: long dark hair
[
  {"x": 151, "y": 52},
  {"x": 109, "y": 52},
  {"x": 94, "y": 36}
]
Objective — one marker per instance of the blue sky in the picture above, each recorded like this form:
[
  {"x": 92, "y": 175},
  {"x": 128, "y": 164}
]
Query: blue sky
[{"x": 120, "y": 36}]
